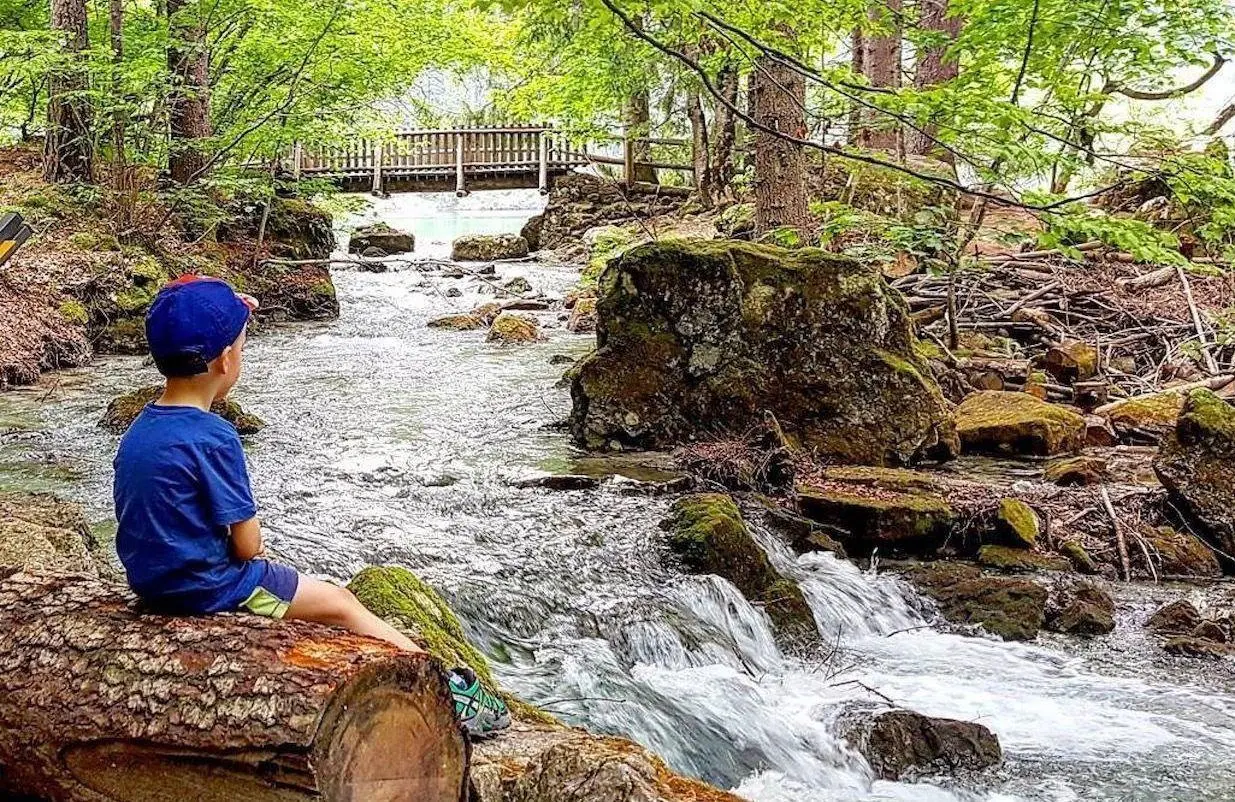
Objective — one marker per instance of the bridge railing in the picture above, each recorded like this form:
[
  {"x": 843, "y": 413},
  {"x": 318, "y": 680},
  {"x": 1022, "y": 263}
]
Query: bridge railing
[{"x": 463, "y": 153}]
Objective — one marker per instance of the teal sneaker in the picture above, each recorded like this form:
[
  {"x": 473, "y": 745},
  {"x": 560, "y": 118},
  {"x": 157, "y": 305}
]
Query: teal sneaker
[{"x": 481, "y": 712}]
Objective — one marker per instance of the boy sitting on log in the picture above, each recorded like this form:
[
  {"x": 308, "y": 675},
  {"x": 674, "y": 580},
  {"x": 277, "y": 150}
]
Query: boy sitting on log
[{"x": 188, "y": 535}]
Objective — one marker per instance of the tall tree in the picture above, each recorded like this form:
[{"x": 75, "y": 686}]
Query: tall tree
[
  {"x": 778, "y": 97},
  {"x": 188, "y": 63},
  {"x": 68, "y": 152},
  {"x": 935, "y": 65},
  {"x": 881, "y": 66}
]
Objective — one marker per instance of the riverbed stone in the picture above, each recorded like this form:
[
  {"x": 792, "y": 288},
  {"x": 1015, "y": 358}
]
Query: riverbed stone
[
  {"x": 1071, "y": 361},
  {"x": 487, "y": 247},
  {"x": 1002, "y": 422},
  {"x": 901, "y": 743},
  {"x": 39, "y": 532},
  {"x": 1178, "y": 617},
  {"x": 1075, "y": 471},
  {"x": 884, "y": 509},
  {"x": 695, "y": 337},
  {"x": 124, "y": 409},
  {"x": 1080, "y": 608},
  {"x": 1012, "y": 608},
  {"x": 1146, "y": 418},
  {"x": 1177, "y": 553},
  {"x": 389, "y": 240},
  {"x": 708, "y": 534},
  {"x": 531, "y": 231},
  {"x": 1019, "y": 560},
  {"x": 1195, "y": 463},
  {"x": 1189, "y": 646},
  {"x": 1016, "y": 524},
  {"x": 511, "y": 329},
  {"x": 583, "y": 316}
]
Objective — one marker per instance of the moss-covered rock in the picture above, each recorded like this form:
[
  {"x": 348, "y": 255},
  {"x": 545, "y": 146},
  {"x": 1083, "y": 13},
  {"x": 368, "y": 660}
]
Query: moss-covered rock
[
  {"x": 1000, "y": 422},
  {"x": 42, "y": 533},
  {"x": 1195, "y": 466},
  {"x": 894, "y": 514},
  {"x": 1019, "y": 560},
  {"x": 1016, "y": 524},
  {"x": 708, "y": 534},
  {"x": 1071, "y": 360},
  {"x": 737, "y": 221},
  {"x": 123, "y": 410},
  {"x": 1177, "y": 553},
  {"x": 695, "y": 337},
  {"x": 389, "y": 241},
  {"x": 1013, "y": 609},
  {"x": 1078, "y": 470},
  {"x": 1078, "y": 556},
  {"x": 1147, "y": 417},
  {"x": 295, "y": 228},
  {"x": 531, "y": 231},
  {"x": 1174, "y": 618},
  {"x": 487, "y": 247},
  {"x": 512, "y": 329},
  {"x": 468, "y": 322},
  {"x": 401, "y": 598}
]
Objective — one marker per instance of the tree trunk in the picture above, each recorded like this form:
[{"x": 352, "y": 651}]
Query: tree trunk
[
  {"x": 116, "y": 25},
  {"x": 637, "y": 122},
  {"x": 724, "y": 133},
  {"x": 68, "y": 150},
  {"x": 188, "y": 62},
  {"x": 858, "y": 65},
  {"x": 935, "y": 67},
  {"x": 700, "y": 158},
  {"x": 778, "y": 94},
  {"x": 101, "y": 703},
  {"x": 881, "y": 64}
]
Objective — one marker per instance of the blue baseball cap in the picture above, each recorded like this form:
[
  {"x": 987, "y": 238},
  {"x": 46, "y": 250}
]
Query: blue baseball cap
[{"x": 192, "y": 321}]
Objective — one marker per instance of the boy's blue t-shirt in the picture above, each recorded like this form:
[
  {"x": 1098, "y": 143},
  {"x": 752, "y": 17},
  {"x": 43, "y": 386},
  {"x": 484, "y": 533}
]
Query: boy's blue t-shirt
[{"x": 181, "y": 481}]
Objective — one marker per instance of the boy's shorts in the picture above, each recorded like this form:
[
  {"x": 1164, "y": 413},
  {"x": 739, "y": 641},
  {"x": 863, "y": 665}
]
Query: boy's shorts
[{"x": 274, "y": 591}]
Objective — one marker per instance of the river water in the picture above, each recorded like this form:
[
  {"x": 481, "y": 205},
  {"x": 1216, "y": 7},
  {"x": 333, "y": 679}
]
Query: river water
[{"x": 389, "y": 442}]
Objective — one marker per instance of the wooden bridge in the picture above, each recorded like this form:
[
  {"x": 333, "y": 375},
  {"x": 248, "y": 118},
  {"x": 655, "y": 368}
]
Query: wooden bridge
[{"x": 464, "y": 159}]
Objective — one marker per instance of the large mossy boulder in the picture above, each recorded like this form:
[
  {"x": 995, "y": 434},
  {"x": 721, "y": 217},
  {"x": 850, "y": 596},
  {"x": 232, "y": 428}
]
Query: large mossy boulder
[
  {"x": 1001, "y": 422},
  {"x": 1145, "y": 418},
  {"x": 295, "y": 228},
  {"x": 1013, "y": 609},
  {"x": 389, "y": 241},
  {"x": 695, "y": 337},
  {"x": 1196, "y": 465},
  {"x": 901, "y": 743},
  {"x": 487, "y": 247},
  {"x": 896, "y": 511},
  {"x": 709, "y": 536},
  {"x": 124, "y": 409},
  {"x": 42, "y": 533}
]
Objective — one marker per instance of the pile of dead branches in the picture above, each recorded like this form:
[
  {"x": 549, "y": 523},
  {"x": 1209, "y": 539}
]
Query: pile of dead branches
[{"x": 1150, "y": 326}]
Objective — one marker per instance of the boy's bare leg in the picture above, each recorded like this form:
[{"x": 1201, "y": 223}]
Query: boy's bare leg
[{"x": 325, "y": 603}]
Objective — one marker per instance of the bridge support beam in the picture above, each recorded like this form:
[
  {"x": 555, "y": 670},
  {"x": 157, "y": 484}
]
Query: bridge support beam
[
  {"x": 379, "y": 151},
  {"x": 543, "y": 179},
  {"x": 460, "y": 184}
]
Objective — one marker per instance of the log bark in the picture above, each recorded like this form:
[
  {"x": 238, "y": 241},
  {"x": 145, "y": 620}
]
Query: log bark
[
  {"x": 778, "y": 97},
  {"x": 188, "y": 62},
  {"x": 68, "y": 148},
  {"x": 100, "y": 703}
]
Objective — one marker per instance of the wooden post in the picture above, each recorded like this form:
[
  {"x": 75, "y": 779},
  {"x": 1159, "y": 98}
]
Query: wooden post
[
  {"x": 460, "y": 185},
  {"x": 543, "y": 182},
  {"x": 628, "y": 160},
  {"x": 297, "y": 159},
  {"x": 379, "y": 149}
]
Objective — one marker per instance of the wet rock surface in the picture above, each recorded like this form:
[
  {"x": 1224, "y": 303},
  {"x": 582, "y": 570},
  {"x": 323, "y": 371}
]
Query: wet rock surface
[
  {"x": 1013, "y": 609},
  {"x": 1081, "y": 608},
  {"x": 579, "y": 202},
  {"x": 895, "y": 511},
  {"x": 902, "y": 743},
  {"x": 512, "y": 329},
  {"x": 699, "y": 336},
  {"x": 709, "y": 535},
  {"x": 124, "y": 409},
  {"x": 1195, "y": 466}
]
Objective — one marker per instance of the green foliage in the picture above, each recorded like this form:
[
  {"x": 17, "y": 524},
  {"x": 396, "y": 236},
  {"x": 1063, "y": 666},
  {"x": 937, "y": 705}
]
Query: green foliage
[{"x": 1076, "y": 224}]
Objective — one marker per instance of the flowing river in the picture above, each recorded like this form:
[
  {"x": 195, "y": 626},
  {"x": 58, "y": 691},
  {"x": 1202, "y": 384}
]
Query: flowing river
[{"x": 389, "y": 442}]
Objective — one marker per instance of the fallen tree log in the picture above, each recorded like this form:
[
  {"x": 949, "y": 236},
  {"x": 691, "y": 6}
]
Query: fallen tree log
[{"x": 101, "y": 703}]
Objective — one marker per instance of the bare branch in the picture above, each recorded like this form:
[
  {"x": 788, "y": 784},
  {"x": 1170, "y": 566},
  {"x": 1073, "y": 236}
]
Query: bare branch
[{"x": 1169, "y": 94}]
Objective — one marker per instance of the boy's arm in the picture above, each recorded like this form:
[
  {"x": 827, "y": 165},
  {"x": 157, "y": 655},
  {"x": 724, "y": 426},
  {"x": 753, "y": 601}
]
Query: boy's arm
[{"x": 247, "y": 539}]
